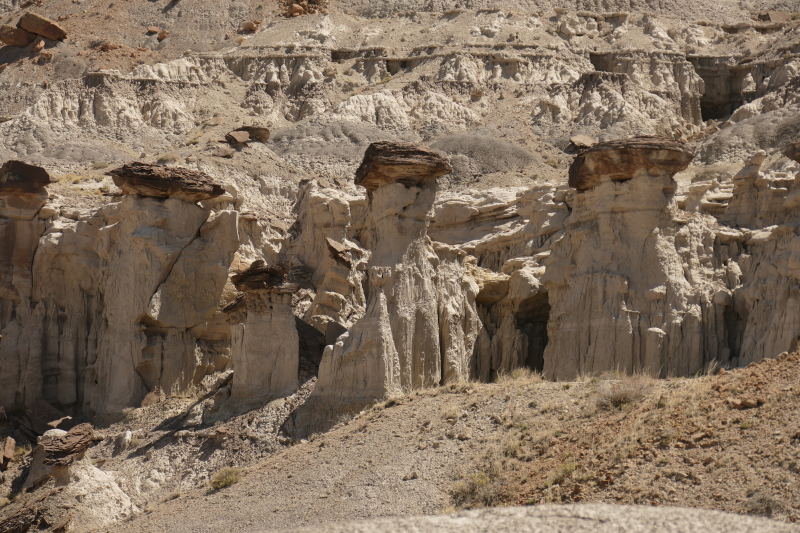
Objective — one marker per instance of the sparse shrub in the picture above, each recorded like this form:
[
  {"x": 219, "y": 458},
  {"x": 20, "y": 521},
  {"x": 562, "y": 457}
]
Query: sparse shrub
[
  {"x": 563, "y": 473},
  {"x": 450, "y": 411},
  {"x": 135, "y": 442},
  {"x": 667, "y": 437},
  {"x": 387, "y": 78},
  {"x": 745, "y": 425},
  {"x": 552, "y": 162},
  {"x": 763, "y": 504},
  {"x": 166, "y": 158},
  {"x": 511, "y": 447},
  {"x": 349, "y": 72},
  {"x": 477, "y": 490},
  {"x": 97, "y": 165},
  {"x": 629, "y": 390},
  {"x": 240, "y": 39},
  {"x": 795, "y": 15},
  {"x": 226, "y": 477}
]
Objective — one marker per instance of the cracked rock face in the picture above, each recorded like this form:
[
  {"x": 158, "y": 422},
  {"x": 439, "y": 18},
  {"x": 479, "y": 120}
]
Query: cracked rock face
[{"x": 165, "y": 182}]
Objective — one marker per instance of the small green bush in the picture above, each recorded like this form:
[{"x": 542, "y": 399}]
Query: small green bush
[{"x": 226, "y": 477}]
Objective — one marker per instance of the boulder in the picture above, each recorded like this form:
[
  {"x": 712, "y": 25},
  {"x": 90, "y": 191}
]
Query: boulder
[
  {"x": 17, "y": 178},
  {"x": 237, "y": 137},
  {"x": 227, "y": 153},
  {"x": 622, "y": 159},
  {"x": 7, "y": 452},
  {"x": 583, "y": 141},
  {"x": 397, "y": 162},
  {"x": 162, "y": 35},
  {"x": 15, "y": 36},
  {"x": 249, "y": 26},
  {"x": 165, "y": 182},
  {"x": 43, "y": 26},
  {"x": 153, "y": 29},
  {"x": 65, "y": 450},
  {"x": 259, "y": 133},
  {"x": 793, "y": 151}
]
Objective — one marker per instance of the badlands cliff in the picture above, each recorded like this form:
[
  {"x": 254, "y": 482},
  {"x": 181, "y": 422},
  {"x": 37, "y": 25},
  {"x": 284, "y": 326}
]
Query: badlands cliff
[
  {"x": 472, "y": 258},
  {"x": 331, "y": 204}
]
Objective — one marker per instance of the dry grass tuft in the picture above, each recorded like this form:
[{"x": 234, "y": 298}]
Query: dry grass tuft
[
  {"x": 477, "y": 490},
  {"x": 627, "y": 391},
  {"x": 226, "y": 477},
  {"x": 519, "y": 376}
]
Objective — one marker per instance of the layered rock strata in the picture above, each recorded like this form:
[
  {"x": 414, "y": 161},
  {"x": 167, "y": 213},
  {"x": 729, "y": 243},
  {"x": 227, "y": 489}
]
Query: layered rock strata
[
  {"x": 165, "y": 182},
  {"x": 264, "y": 340},
  {"x": 620, "y": 296}
]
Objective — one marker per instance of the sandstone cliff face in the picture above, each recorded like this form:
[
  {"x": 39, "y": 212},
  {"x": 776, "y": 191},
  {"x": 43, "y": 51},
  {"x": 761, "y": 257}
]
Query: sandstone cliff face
[
  {"x": 410, "y": 287},
  {"x": 99, "y": 310}
]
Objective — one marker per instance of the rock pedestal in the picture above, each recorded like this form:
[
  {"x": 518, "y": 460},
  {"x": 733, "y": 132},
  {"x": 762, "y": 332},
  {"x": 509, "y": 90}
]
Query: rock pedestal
[
  {"x": 265, "y": 345},
  {"x": 396, "y": 345},
  {"x": 616, "y": 281},
  {"x": 22, "y": 190}
]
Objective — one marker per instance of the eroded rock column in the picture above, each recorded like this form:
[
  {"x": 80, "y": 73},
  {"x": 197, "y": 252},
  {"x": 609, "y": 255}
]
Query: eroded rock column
[
  {"x": 617, "y": 285},
  {"x": 265, "y": 346},
  {"x": 396, "y": 345}
]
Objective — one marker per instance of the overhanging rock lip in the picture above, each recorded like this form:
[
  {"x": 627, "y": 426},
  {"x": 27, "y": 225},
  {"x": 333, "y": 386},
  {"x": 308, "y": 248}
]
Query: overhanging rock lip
[
  {"x": 388, "y": 162},
  {"x": 624, "y": 157}
]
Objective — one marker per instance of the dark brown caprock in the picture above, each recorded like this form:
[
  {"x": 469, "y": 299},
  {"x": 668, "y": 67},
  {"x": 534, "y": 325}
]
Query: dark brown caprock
[
  {"x": 619, "y": 160},
  {"x": 389, "y": 162},
  {"x": 268, "y": 278},
  {"x": 165, "y": 182},
  {"x": 17, "y": 177}
]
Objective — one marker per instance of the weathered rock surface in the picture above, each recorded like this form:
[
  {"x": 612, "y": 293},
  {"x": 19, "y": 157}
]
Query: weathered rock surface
[
  {"x": 65, "y": 450},
  {"x": 389, "y": 162},
  {"x": 265, "y": 345},
  {"x": 7, "y": 449},
  {"x": 43, "y": 26},
  {"x": 623, "y": 159},
  {"x": 15, "y": 36},
  {"x": 237, "y": 137},
  {"x": 596, "y": 518},
  {"x": 17, "y": 177},
  {"x": 165, "y": 182},
  {"x": 259, "y": 133}
]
